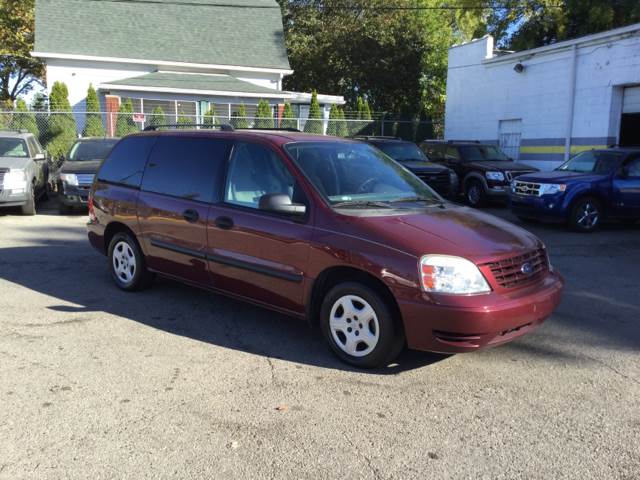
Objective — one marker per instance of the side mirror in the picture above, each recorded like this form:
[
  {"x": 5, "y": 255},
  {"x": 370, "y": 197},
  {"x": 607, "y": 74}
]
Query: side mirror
[
  {"x": 39, "y": 156},
  {"x": 280, "y": 203}
]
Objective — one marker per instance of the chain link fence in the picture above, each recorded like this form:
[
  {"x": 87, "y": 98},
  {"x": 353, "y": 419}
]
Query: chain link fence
[{"x": 57, "y": 131}]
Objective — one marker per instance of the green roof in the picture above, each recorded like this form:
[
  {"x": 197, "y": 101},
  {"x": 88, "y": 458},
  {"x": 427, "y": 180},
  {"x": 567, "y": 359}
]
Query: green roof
[
  {"x": 224, "y": 32},
  {"x": 188, "y": 81}
]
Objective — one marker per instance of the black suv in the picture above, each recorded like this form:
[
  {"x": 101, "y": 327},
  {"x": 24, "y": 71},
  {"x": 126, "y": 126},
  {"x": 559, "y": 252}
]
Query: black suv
[
  {"x": 484, "y": 171},
  {"x": 442, "y": 179}
]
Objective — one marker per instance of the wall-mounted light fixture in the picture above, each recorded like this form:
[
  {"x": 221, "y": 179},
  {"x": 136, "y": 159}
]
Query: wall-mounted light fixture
[{"x": 518, "y": 68}]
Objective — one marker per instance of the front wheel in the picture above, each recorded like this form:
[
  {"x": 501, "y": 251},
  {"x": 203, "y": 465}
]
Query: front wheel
[
  {"x": 586, "y": 215},
  {"x": 475, "y": 194},
  {"x": 29, "y": 208},
  {"x": 127, "y": 264},
  {"x": 359, "y": 326}
]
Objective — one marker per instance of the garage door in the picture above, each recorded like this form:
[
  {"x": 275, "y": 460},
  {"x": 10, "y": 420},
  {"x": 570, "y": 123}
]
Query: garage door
[{"x": 631, "y": 102}]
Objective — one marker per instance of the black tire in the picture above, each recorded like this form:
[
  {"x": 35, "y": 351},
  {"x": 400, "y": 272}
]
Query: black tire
[
  {"x": 586, "y": 215},
  {"x": 390, "y": 340},
  {"x": 63, "y": 209},
  {"x": 29, "y": 208},
  {"x": 474, "y": 193},
  {"x": 140, "y": 277}
]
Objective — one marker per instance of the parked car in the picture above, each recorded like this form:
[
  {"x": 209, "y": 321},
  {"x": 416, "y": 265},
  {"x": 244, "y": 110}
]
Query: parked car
[
  {"x": 442, "y": 179},
  {"x": 587, "y": 189},
  {"x": 321, "y": 228},
  {"x": 485, "y": 172},
  {"x": 24, "y": 171},
  {"x": 78, "y": 170}
]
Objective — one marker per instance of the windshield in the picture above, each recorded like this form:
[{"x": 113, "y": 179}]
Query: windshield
[
  {"x": 13, "y": 147},
  {"x": 357, "y": 174},
  {"x": 402, "y": 152},
  {"x": 474, "y": 153},
  {"x": 592, "y": 162},
  {"x": 91, "y": 150}
]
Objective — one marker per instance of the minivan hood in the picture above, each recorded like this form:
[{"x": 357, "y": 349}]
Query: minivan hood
[
  {"x": 557, "y": 176},
  {"x": 14, "y": 162},
  {"x": 86, "y": 166},
  {"x": 453, "y": 230},
  {"x": 503, "y": 166}
]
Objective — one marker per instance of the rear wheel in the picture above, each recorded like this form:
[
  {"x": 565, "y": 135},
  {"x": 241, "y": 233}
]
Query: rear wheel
[
  {"x": 475, "y": 194},
  {"x": 127, "y": 264},
  {"x": 586, "y": 215},
  {"x": 359, "y": 326}
]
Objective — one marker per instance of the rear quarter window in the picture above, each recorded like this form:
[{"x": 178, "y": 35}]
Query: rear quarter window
[
  {"x": 125, "y": 164},
  {"x": 187, "y": 167}
]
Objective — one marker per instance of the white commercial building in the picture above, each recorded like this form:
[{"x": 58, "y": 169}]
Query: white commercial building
[{"x": 545, "y": 104}]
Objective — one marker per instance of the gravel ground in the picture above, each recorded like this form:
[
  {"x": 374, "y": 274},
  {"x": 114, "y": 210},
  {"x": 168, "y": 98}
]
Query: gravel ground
[{"x": 177, "y": 382}]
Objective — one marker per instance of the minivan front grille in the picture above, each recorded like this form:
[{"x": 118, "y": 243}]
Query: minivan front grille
[
  {"x": 2, "y": 172},
  {"x": 520, "y": 270},
  {"x": 526, "y": 188}
]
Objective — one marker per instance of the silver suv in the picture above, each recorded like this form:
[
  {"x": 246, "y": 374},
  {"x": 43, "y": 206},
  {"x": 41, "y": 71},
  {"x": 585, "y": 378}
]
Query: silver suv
[{"x": 24, "y": 171}]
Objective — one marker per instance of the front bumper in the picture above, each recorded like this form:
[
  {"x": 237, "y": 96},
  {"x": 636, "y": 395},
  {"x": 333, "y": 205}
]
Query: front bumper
[
  {"x": 547, "y": 207},
  {"x": 73, "y": 196},
  {"x": 13, "y": 198},
  {"x": 498, "y": 192},
  {"x": 468, "y": 323}
]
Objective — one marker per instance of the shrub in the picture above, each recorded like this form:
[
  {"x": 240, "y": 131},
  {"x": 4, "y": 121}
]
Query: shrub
[
  {"x": 157, "y": 117},
  {"x": 264, "y": 116},
  {"x": 209, "y": 118},
  {"x": 62, "y": 130},
  {"x": 314, "y": 121},
  {"x": 342, "y": 129},
  {"x": 334, "y": 119},
  {"x": 93, "y": 126},
  {"x": 24, "y": 120},
  {"x": 288, "y": 119},
  {"x": 239, "y": 118},
  {"x": 125, "y": 124}
]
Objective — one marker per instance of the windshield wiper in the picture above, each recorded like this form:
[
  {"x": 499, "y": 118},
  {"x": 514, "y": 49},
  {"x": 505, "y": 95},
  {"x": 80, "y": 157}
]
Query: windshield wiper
[
  {"x": 362, "y": 203},
  {"x": 430, "y": 201}
]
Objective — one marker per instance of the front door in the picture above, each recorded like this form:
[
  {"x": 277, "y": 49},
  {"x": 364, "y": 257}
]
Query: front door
[
  {"x": 626, "y": 188},
  {"x": 177, "y": 189},
  {"x": 254, "y": 253}
]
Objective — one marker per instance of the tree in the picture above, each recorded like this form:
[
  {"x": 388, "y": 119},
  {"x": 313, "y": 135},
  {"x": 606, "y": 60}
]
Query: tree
[
  {"x": 184, "y": 121},
  {"x": 125, "y": 124},
  {"x": 157, "y": 117},
  {"x": 18, "y": 70},
  {"x": 334, "y": 118},
  {"x": 264, "y": 116},
  {"x": 23, "y": 119},
  {"x": 239, "y": 118},
  {"x": 209, "y": 118},
  {"x": 288, "y": 119},
  {"x": 62, "y": 130},
  {"x": 314, "y": 121},
  {"x": 342, "y": 130},
  {"x": 93, "y": 121}
]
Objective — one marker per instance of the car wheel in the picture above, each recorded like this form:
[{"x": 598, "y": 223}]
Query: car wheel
[
  {"x": 586, "y": 215},
  {"x": 127, "y": 264},
  {"x": 29, "y": 208},
  {"x": 63, "y": 209},
  {"x": 475, "y": 194},
  {"x": 359, "y": 327}
]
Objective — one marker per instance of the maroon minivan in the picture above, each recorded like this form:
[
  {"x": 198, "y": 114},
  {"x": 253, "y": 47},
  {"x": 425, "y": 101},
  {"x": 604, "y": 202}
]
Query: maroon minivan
[{"x": 324, "y": 229}]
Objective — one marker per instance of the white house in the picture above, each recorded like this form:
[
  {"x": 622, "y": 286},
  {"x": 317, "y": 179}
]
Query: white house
[
  {"x": 545, "y": 104},
  {"x": 180, "y": 56}
]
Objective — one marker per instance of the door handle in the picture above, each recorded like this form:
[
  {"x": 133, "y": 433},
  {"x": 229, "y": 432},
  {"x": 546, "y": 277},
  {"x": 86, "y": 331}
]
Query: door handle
[
  {"x": 224, "y": 223},
  {"x": 191, "y": 215}
]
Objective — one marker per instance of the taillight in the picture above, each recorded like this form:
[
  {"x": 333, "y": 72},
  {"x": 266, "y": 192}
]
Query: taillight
[{"x": 92, "y": 213}]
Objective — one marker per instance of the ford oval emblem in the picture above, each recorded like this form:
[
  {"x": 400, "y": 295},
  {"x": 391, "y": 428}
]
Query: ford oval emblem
[{"x": 527, "y": 268}]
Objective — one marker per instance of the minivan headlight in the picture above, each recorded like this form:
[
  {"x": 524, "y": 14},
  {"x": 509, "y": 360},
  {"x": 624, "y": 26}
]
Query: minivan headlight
[
  {"x": 453, "y": 275},
  {"x": 498, "y": 176},
  {"x": 15, "y": 179},
  {"x": 551, "y": 188},
  {"x": 69, "y": 178}
]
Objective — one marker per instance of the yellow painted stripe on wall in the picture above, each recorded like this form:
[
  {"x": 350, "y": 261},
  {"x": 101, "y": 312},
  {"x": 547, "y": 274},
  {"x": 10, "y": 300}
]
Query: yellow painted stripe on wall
[{"x": 574, "y": 149}]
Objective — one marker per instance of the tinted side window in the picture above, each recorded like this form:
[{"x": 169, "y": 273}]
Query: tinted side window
[
  {"x": 33, "y": 146},
  {"x": 633, "y": 167},
  {"x": 433, "y": 151},
  {"x": 254, "y": 171},
  {"x": 452, "y": 153},
  {"x": 186, "y": 167},
  {"x": 125, "y": 163}
]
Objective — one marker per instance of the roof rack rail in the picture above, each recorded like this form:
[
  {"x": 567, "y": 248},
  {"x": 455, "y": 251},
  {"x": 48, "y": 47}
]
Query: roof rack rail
[
  {"x": 463, "y": 141},
  {"x": 274, "y": 129},
  {"x": 225, "y": 127}
]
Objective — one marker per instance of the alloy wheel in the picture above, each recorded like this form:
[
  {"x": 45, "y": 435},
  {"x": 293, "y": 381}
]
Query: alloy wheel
[
  {"x": 588, "y": 215},
  {"x": 124, "y": 262},
  {"x": 354, "y": 325}
]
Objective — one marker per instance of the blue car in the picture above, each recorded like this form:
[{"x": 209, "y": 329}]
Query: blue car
[{"x": 587, "y": 189}]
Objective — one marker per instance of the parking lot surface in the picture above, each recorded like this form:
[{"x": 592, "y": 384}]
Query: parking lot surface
[{"x": 175, "y": 382}]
